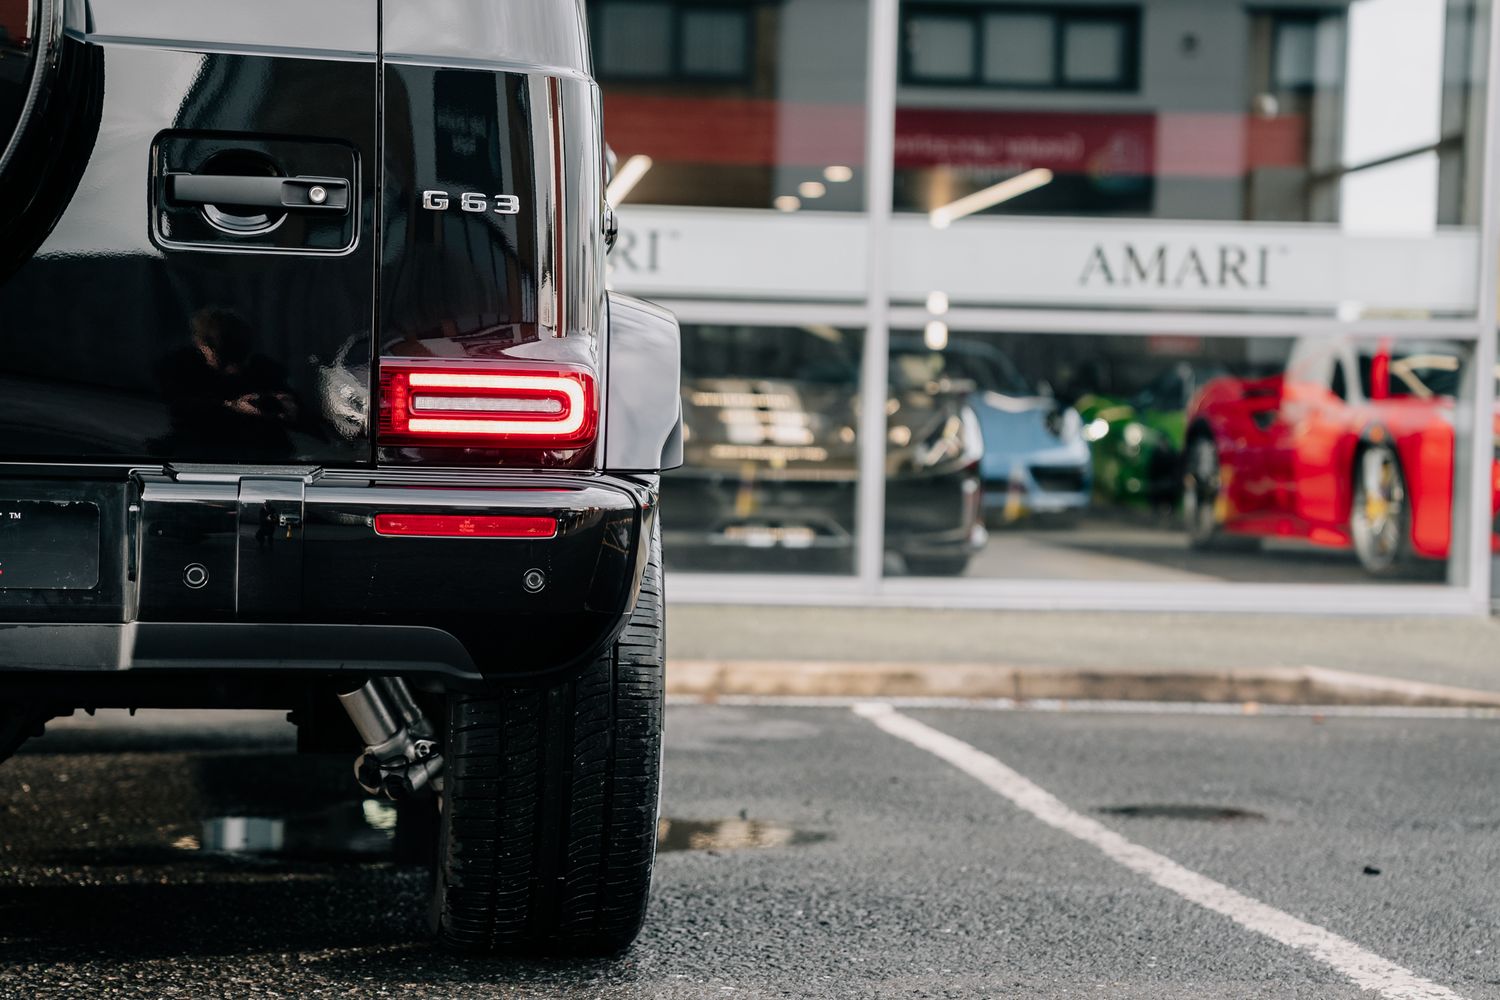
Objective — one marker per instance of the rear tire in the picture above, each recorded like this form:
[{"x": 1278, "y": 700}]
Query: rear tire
[
  {"x": 1202, "y": 488},
  {"x": 550, "y": 803},
  {"x": 1200, "y": 492},
  {"x": 1380, "y": 516}
]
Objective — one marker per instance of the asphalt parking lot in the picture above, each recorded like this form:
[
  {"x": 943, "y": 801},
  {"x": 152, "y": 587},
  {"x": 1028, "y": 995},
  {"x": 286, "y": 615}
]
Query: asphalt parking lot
[{"x": 820, "y": 851}]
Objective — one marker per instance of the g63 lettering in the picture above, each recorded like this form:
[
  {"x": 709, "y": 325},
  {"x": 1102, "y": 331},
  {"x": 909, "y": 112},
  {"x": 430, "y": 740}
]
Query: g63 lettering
[{"x": 472, "y": 201}]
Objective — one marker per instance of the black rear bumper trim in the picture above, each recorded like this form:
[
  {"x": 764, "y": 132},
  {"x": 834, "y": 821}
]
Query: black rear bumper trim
[{"x": 234, "y": 647}]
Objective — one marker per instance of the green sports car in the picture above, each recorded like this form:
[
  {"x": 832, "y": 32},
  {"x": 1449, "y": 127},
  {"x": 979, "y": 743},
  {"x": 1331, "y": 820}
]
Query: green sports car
[{"x": 1136, "y": 442}]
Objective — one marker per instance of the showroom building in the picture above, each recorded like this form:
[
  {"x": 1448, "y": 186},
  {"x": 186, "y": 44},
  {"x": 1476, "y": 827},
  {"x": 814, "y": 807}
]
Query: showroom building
[{"x": 1170, "y": 304}]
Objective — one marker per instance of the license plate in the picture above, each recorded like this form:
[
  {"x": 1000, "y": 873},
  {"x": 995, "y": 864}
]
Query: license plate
[{"x": 49, "y": 545}]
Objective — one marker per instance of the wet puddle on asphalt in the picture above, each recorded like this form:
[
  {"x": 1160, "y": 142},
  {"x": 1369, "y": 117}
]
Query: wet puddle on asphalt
[
  {"x": 1202, "y": 814},
  {"x": 729, "y": 835}
]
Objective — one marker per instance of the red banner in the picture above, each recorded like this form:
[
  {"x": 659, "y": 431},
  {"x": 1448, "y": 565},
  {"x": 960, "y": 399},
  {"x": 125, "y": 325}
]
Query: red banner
[{"x": 758, "y": 132}]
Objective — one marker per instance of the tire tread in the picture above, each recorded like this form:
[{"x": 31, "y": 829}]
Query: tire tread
[{"x": 550, "y": 829}]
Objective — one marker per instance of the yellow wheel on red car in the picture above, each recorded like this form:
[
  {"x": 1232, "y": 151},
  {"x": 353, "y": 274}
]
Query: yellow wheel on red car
[{"x": 1379, "y": 515}]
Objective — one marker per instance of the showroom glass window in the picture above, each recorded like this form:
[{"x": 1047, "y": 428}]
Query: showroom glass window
[
  {"x": 1178, "y": 458},
  {"x": 735, "y": 103}
]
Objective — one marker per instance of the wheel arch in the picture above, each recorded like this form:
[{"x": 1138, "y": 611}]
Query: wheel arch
[{"x": 643, "y": 388}]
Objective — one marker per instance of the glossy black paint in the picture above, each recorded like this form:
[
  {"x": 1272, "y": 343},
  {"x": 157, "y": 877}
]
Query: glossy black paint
[
  {"x": 473, "y": 588},
  {"x": 116, "y": 343},
  {"x": 19, "y": 52},
  {"x": 206, "y": 379},
  {"x": 107, "y": 599},
  {"x": 49, "y": 544},
  {"x": 483, "y": 285},
  {"x": 46, "y": 155},
  {"x": 643, "y": 423},
  {"x": 240, "y": 545}
]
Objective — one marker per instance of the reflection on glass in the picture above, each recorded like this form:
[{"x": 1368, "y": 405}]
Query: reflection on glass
[
  {"x": 738, "y": 104},
  {"x": 1350, "y": 447},
  {"x": 1035, "y": 458},
  {"x": 1361, "y": 113},
  {"x": 771, "y": 417},
  {"x": 1187, "y": 459}
]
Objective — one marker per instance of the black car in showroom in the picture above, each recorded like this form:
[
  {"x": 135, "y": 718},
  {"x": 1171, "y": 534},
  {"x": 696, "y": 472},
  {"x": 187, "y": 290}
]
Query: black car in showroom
[
  {"x": 770, "y": 438},
  {"x": 312, "y": 397}
]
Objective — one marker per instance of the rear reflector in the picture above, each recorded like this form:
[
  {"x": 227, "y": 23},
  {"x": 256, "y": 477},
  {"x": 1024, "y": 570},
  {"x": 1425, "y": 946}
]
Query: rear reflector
[
  {"x": 486, "y": 404},
  {"x": 465, "y": 526}
]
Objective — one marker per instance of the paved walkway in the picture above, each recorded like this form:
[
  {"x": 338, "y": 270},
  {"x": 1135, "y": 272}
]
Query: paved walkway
[{"x": 1460, "y": 652}]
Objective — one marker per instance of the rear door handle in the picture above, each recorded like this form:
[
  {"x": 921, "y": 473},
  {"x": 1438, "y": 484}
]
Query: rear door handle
[{"x": 289, "y": 194}]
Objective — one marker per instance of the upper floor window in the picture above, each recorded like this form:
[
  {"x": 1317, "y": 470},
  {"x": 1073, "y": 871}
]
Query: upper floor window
[
  {"x": 975, "y": 45},
  {"x": 667, "y": 40}
]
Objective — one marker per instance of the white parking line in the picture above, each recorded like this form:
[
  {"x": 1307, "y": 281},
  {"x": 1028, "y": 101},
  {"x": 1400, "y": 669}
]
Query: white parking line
[{"x": 1366, "y": 969}]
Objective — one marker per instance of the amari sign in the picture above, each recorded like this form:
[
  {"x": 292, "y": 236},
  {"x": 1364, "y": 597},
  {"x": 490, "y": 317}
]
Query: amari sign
[
  {"x": 1221, "y": 265},
  {"x": 1250, "y": 266},
  {"x": 1049, "y": 263}
]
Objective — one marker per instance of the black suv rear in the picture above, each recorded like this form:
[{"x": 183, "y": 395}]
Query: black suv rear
[{"x": 312, "y": 396}]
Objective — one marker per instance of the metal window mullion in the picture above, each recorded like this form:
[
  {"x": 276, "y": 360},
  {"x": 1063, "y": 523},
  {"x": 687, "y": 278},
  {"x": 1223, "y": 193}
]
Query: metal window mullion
[
  {"x": 880, "y": 163},
  {"x": 1482, "y": 440}
]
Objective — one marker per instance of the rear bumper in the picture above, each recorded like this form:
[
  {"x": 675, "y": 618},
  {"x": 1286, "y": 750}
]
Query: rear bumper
[{"x": 238, "y": 569}]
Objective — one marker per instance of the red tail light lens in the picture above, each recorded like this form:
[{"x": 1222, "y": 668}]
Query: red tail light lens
[
  {"x": 502, "y": 406},
  {"x": 464, "y": 526}
]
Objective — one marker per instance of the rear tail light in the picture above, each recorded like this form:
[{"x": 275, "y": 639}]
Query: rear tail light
[{"x": 487, "y": 405}]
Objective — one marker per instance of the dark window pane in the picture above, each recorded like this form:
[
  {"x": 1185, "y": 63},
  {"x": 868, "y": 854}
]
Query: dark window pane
[
  {"x": 940, "y": 48},
  {"x": 714, "y": 43},
  {"x": 1018, "y": 49},
  {"x": 1296, "y": 54},
  {"x": 636, "y": 39},
  {"x": 1094, "y": 53}
]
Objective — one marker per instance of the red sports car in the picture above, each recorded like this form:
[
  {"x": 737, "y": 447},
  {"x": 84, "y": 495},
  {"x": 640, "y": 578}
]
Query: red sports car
[{"x": 1351, "y": 446}]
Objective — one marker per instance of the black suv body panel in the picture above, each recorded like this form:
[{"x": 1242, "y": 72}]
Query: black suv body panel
[{"x": 203, "y": 377}]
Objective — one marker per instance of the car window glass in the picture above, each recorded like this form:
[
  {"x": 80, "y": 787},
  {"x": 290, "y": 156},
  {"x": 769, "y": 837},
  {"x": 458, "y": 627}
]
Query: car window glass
[
  {"x": 1340, "y": 387},
  {"x": 1424, "y": 375}
]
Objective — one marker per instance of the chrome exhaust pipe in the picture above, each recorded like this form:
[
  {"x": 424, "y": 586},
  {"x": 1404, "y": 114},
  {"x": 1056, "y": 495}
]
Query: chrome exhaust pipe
[{"x": 401, "y": 757}]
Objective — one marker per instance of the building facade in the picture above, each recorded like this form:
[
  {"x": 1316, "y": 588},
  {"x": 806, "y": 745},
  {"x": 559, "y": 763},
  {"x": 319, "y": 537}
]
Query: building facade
[{"x": 1171, "y": 304}]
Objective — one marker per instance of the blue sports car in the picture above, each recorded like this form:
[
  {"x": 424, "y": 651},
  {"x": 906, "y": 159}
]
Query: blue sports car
[{"x": 1036, "y": 460}]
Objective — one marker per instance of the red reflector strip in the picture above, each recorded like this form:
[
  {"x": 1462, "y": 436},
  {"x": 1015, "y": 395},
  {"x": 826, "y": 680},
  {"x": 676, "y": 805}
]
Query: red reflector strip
[{"x": 465, "y": 526}]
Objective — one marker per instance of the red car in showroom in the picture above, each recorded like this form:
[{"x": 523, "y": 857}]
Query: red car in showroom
[{"x": 1350, "y": 447}]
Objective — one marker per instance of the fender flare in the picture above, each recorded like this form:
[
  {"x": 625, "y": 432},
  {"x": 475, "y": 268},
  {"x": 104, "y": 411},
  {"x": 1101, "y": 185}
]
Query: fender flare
[{"x": 642, "y": 388}]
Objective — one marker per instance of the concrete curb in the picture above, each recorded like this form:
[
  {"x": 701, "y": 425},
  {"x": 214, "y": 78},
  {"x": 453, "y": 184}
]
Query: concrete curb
[{"x": 1271, "y": 685}]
